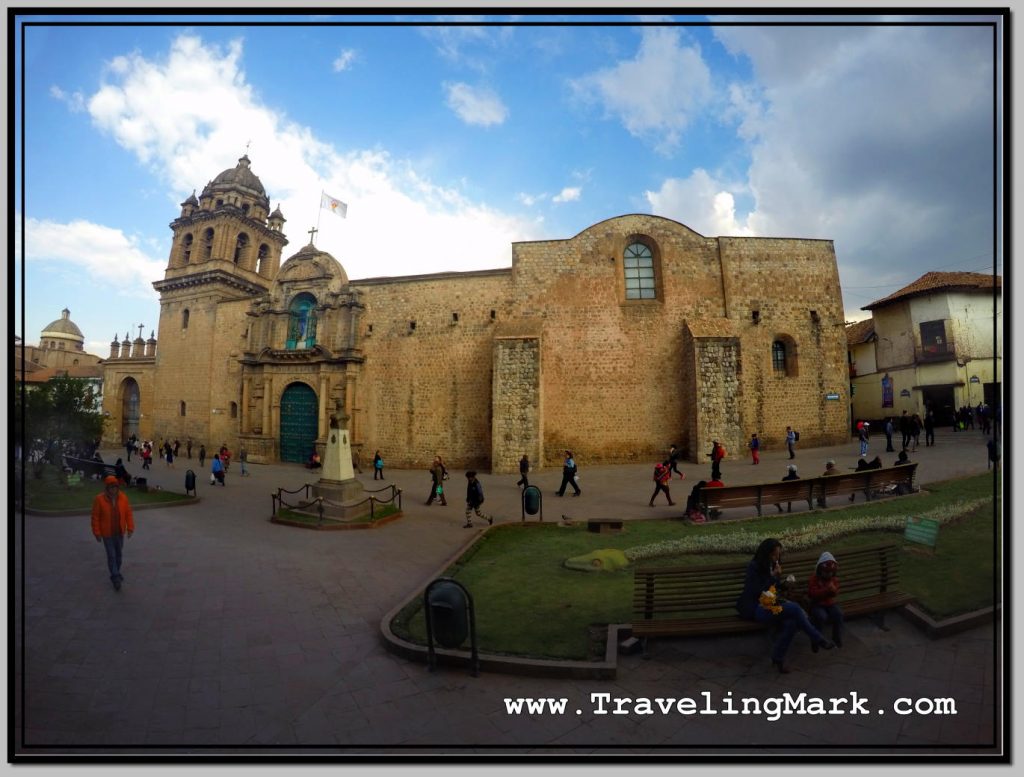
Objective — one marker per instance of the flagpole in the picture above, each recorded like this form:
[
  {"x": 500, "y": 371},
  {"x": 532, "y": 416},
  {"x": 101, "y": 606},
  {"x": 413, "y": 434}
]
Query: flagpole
[{"x": 319, "y": 210}]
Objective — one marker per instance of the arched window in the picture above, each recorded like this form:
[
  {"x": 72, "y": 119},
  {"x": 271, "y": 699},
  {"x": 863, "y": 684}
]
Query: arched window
[
  {"x": 261, "y": 255},
  {"x": 241, "y": 243},
  {"x": 784, "y": 357},
  {"x": 638, "y": 270},
  {"x": 245, "y": 209},
  {"x": 181, "y": 408},
  {"x": 301, "y": 322},
  {"x": 234, "y": 410},
  {"x": 185, "y": 315},
  {"x": 208, "y": 243},
  {"x": 220, "y": 203},
  {"x": 186, "y": 248}
]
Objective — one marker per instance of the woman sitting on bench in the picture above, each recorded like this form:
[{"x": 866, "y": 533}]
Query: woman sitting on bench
[{"x": 761, "y": 601}]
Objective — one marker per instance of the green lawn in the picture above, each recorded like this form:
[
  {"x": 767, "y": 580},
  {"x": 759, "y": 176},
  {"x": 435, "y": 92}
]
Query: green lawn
[
  {"x": 527, "y": 603},
  {"x": 50, "y": 493}
]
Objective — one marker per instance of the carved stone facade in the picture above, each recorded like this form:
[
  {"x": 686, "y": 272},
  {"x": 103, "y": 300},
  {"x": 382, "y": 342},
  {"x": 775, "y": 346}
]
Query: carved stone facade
[{"x": 635, "y": 334}]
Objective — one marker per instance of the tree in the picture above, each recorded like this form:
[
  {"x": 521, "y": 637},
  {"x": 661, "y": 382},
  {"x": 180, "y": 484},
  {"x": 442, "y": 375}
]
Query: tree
[{"x": 59, "y": 417}]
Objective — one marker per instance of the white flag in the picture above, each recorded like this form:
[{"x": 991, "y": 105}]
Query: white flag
[{"x": 335, "y": 206}]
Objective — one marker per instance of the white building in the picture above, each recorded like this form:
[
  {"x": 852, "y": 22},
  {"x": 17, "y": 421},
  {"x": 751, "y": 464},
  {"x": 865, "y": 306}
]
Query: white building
[{"x": 935, "y": 344}]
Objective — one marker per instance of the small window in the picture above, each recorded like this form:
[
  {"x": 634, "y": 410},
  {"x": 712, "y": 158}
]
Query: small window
[
  {"x": 261, "y": 257},
  {"x": 784, "y": 357},
  {"x": 181, "y": 408},
  {"x": 638, "y": 270},
  {"x": 184, "y": 318},
  {"x": 245, "y": 208},
  {"x": 220, "y": 203},
  {"x": 234, "y": 410},
  {"x": 186, "y": 248},
  {"x": 779, "y": 356}
]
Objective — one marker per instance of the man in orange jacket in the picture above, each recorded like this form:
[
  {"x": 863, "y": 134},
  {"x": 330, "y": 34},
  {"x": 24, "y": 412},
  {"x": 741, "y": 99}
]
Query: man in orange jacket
[{"x": 111, "y": 521}]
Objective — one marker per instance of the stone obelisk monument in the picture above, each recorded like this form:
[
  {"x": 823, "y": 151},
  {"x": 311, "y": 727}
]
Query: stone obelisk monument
[{"x": 338, "y": 482}]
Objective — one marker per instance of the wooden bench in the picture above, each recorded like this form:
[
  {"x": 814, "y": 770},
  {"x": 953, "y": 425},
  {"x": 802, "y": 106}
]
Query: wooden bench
[
  {"x": 698, "y": 601},
  {"x": 869, "y": 482}
]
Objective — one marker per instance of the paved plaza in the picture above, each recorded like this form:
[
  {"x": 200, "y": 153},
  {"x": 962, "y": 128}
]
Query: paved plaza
[{"x": 235, "y": 635}]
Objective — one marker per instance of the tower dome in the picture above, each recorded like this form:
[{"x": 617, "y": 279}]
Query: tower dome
[{"x": 240, "y": 180}]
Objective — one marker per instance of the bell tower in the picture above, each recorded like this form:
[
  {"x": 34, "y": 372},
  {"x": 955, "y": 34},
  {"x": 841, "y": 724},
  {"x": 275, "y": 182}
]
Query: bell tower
[{"x": 225, "y": 251}]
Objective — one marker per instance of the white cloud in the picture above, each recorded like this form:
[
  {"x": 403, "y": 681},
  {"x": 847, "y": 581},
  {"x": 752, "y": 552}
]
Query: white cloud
[
  {"x": 568, "y": 194},
  {"x": 468, "y": 45},
  {"x": 476, "y": 105},
  {"x": 187, "y": 116},
  {"x": 75, "y": 101},
  {"x": 701, "y": 202},
  {"x": 344, "y": 60},
  {"x": 657, "y": 93},
  {"x": 101, "y": 255}
]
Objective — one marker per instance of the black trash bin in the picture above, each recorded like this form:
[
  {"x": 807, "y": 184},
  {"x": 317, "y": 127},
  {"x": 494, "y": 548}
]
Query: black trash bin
[
  {"x": 450, "y": 619},
  {"x": 190, "y": 482},
  {"x": 532, "y": 502}
]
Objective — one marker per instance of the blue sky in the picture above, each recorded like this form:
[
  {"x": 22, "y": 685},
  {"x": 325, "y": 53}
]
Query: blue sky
[{"x": 449, "y": 142}]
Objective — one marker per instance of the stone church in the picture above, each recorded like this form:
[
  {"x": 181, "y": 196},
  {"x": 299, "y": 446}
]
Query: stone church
[{"x": 632, "y": 335}]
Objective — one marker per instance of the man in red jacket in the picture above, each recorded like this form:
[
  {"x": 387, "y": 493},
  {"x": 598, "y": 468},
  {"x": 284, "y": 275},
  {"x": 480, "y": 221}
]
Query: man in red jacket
[{"x": 112, "y": 521}]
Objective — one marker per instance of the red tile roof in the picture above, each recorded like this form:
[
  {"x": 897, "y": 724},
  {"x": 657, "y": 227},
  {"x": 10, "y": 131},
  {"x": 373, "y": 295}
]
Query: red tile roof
[
  {"x": 860, "y": 332},
  {"x": 933, "y": 282}
]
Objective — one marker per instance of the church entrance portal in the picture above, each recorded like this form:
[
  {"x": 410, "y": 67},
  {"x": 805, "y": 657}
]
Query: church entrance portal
[
  {"x": 299, "y": 427},
  {"x": 129, "y": 409}
]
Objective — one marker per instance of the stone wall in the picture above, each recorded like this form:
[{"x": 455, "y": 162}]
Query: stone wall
[{"x": 517, "y": 403}]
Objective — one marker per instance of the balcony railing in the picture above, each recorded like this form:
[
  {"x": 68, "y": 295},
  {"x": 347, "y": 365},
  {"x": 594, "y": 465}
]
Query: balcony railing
[{"x": 935, "y": 353}]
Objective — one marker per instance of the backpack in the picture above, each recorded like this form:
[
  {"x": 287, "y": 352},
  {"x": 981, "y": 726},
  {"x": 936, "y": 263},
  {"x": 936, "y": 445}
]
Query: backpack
[
  {"x": 660, "y": 471},
  {"x": 723, "y": 450},
  {"x": 796, "y": 436}
]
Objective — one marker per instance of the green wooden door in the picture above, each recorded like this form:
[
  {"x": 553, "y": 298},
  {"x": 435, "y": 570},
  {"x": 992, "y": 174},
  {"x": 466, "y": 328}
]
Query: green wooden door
[{"x": 299, "y": 430}]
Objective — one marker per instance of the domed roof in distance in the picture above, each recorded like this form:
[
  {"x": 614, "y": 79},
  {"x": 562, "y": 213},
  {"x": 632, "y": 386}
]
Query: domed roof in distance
[{"x": 64, "y": 327}]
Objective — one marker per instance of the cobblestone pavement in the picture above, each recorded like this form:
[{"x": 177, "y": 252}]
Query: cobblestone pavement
[{"x": 235, "y": 635}]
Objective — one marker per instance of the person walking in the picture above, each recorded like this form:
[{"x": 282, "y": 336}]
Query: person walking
[
  {"x": 243, "y": 460},
  {"x": 129, "y": 446},
  {"x": 474, "y": 498},
  {"x": 915, "y": 430},
  {"x": 673, "y": 457},
  {"x": 889, "y": 429},
  {"x": 791, "y": 442},
  {"x": 188, "y": 448},
  {"x": 177, "y": 446},
  {"x": 662, "y": 476},
  {"x": 378, "y": 466},
  {"x": 755, "y": 449},
  {"x": 202, "y": 456},
  {"x": 437, "y": 472},
  {"x": 217, "y": 471},
  {"x": 112, "y": 522},
  {"x": 929, "y": 429},
  {"x": 169, "y": 455},
  {"x": 524, "y": 471},
  {"x": 905, "y": 430},
  {"x": 147, "y": 455},
  {"x": 759, "y": 602},
  {"x": 569, "y": 470}
]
